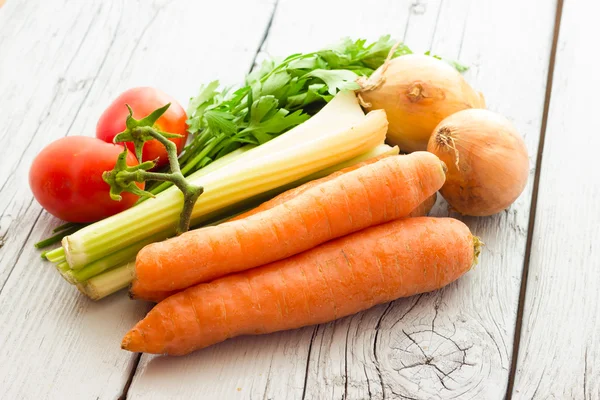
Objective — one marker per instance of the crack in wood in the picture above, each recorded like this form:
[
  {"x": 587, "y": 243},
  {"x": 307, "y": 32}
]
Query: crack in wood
[
  {"x": 538, "y": 384},
  {"x": 377, "y": 363},
  {"x": 493, "y": 341},
  {"x": 407, "y": 311},
  {"x": 143, "y": 32},
  {"x": 368, "y": 382},
  {"x": 268, "y": 378},
  {"x": 585, "y": 367},
  {"x": 136, "y": 362},
  {"x": 265, "y": 36},
  {"x": 310, "y": 345},
  {"x": 437, "y": 20},
  {"x": 346, "y": 361},
  {"x": 533, "y": 204}
]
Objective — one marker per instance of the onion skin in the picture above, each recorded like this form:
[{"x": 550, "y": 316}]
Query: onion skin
[
  {"x": 417, "y": 93},
  {"x": 487, "y": 161}
]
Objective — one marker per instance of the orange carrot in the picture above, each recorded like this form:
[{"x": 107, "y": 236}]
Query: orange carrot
[
  {"x": 383, "y": 191},
  {"x": 347, "y": 275},
  {"x": 424, "y": 208}
]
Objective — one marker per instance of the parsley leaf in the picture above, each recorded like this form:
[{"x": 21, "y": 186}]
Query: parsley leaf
[
  {"x": 336, "y": 80},
  {"x": 220, "y": 121}
]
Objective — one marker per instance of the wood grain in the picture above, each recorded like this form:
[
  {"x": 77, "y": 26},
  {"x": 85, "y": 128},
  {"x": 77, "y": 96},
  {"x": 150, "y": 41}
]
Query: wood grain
[
  {"x": 60, "y": 65},
  {"x": 559, "y": 356},
  {"x": 454, "y": 343}
]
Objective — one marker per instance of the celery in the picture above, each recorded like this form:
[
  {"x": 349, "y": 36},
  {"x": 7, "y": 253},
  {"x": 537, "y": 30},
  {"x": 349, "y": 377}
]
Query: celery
[
  {"x": 66, "y": 272},
  {"x": 121, "y": 256},
  {"x": 339, "y": 132},
  {"x": 56, "y": 255},
  {"x": 108, "y": 282}
]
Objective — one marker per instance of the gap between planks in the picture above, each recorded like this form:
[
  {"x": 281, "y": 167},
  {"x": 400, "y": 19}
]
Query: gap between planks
[
  {"x": 138, "y": 356},
  {"x": 533, "y": 206}
]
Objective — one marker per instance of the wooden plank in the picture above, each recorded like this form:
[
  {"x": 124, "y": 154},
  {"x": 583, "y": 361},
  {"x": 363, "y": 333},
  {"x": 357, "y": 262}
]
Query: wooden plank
[
  {"x": 454, "y": 343},
  {"x": 559, "y": 356},
  {"x": 60, "y": 65}
]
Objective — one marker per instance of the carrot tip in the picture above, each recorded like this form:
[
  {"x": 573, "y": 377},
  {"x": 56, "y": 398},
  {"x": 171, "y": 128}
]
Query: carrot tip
[
  {"x": 133, "y": 341},
  {"x": 125, "y": 342}
]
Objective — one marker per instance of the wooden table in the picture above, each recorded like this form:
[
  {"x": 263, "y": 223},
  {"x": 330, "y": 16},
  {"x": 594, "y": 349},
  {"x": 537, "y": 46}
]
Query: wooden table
[{"x": 523, "y": 324}]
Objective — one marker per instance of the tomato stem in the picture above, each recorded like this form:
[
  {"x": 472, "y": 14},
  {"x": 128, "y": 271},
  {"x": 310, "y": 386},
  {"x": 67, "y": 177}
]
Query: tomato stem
[{"x": 123, "y": 178}]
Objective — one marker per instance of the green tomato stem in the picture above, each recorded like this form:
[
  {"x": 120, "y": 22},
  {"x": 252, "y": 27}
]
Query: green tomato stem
[{"x": 124, "y": 178}]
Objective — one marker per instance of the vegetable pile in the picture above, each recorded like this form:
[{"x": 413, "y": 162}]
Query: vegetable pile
[{"x": 294, "y": 198}]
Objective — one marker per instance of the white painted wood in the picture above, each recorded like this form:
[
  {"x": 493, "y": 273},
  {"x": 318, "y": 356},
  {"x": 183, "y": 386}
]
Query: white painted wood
[
  {"x": 61, "y": 63},
  {"x": 454, "y": 343},
  {"x": 559, "y": 355}
]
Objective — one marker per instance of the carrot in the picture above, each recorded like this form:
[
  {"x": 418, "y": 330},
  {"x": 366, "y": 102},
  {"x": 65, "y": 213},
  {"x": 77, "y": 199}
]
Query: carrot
[
  {"x": 347, "y": 275},
  {"x": 424, "y": 208},
  {"x": 385, "y": 190}
]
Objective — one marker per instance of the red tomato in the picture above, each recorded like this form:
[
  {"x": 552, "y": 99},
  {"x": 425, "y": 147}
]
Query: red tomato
[
  {"x": 66, "y": 179},
  {"x": 143, "y": 101}
]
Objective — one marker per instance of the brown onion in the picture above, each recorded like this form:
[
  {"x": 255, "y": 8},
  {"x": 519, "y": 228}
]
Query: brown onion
[
  {"x": 417, "y": 92},
  {"x": 486, "y": 158}
]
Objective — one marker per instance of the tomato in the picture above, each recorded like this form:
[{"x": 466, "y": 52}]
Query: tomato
[
  {"x": 144, "y": 100},
  {"x": 66, "y": 179}
]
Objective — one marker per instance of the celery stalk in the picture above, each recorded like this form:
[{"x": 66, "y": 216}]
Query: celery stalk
[
  {"x": 339, "y": 132},
  {"x": 108, "y": 282},
  {"x": 64, "y": 271},
  {"x": 121, "y": 256},
  {"x": 56, "y": 255}
]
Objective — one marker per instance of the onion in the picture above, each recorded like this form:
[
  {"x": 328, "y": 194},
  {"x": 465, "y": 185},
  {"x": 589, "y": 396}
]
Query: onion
[
  {"x": 486, "y": 158},
  {"x": 417, "y": 92}
]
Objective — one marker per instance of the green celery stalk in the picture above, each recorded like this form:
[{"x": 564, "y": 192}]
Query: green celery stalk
[
  {"x": 64, "y": 271},
  {"x": 121, "y": 256},
  {"x": 56, "y": 256},
  {"x": 108, "y": 282}
]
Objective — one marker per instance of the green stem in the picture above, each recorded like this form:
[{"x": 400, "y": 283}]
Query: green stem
[
  {"x": 64, "y": 226},
  {"x": 56, "y": 255},
  {"x": 190, "y": 192},
  {"x": 56, "y": 238},
  {"x": 125, "y": 178}
]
